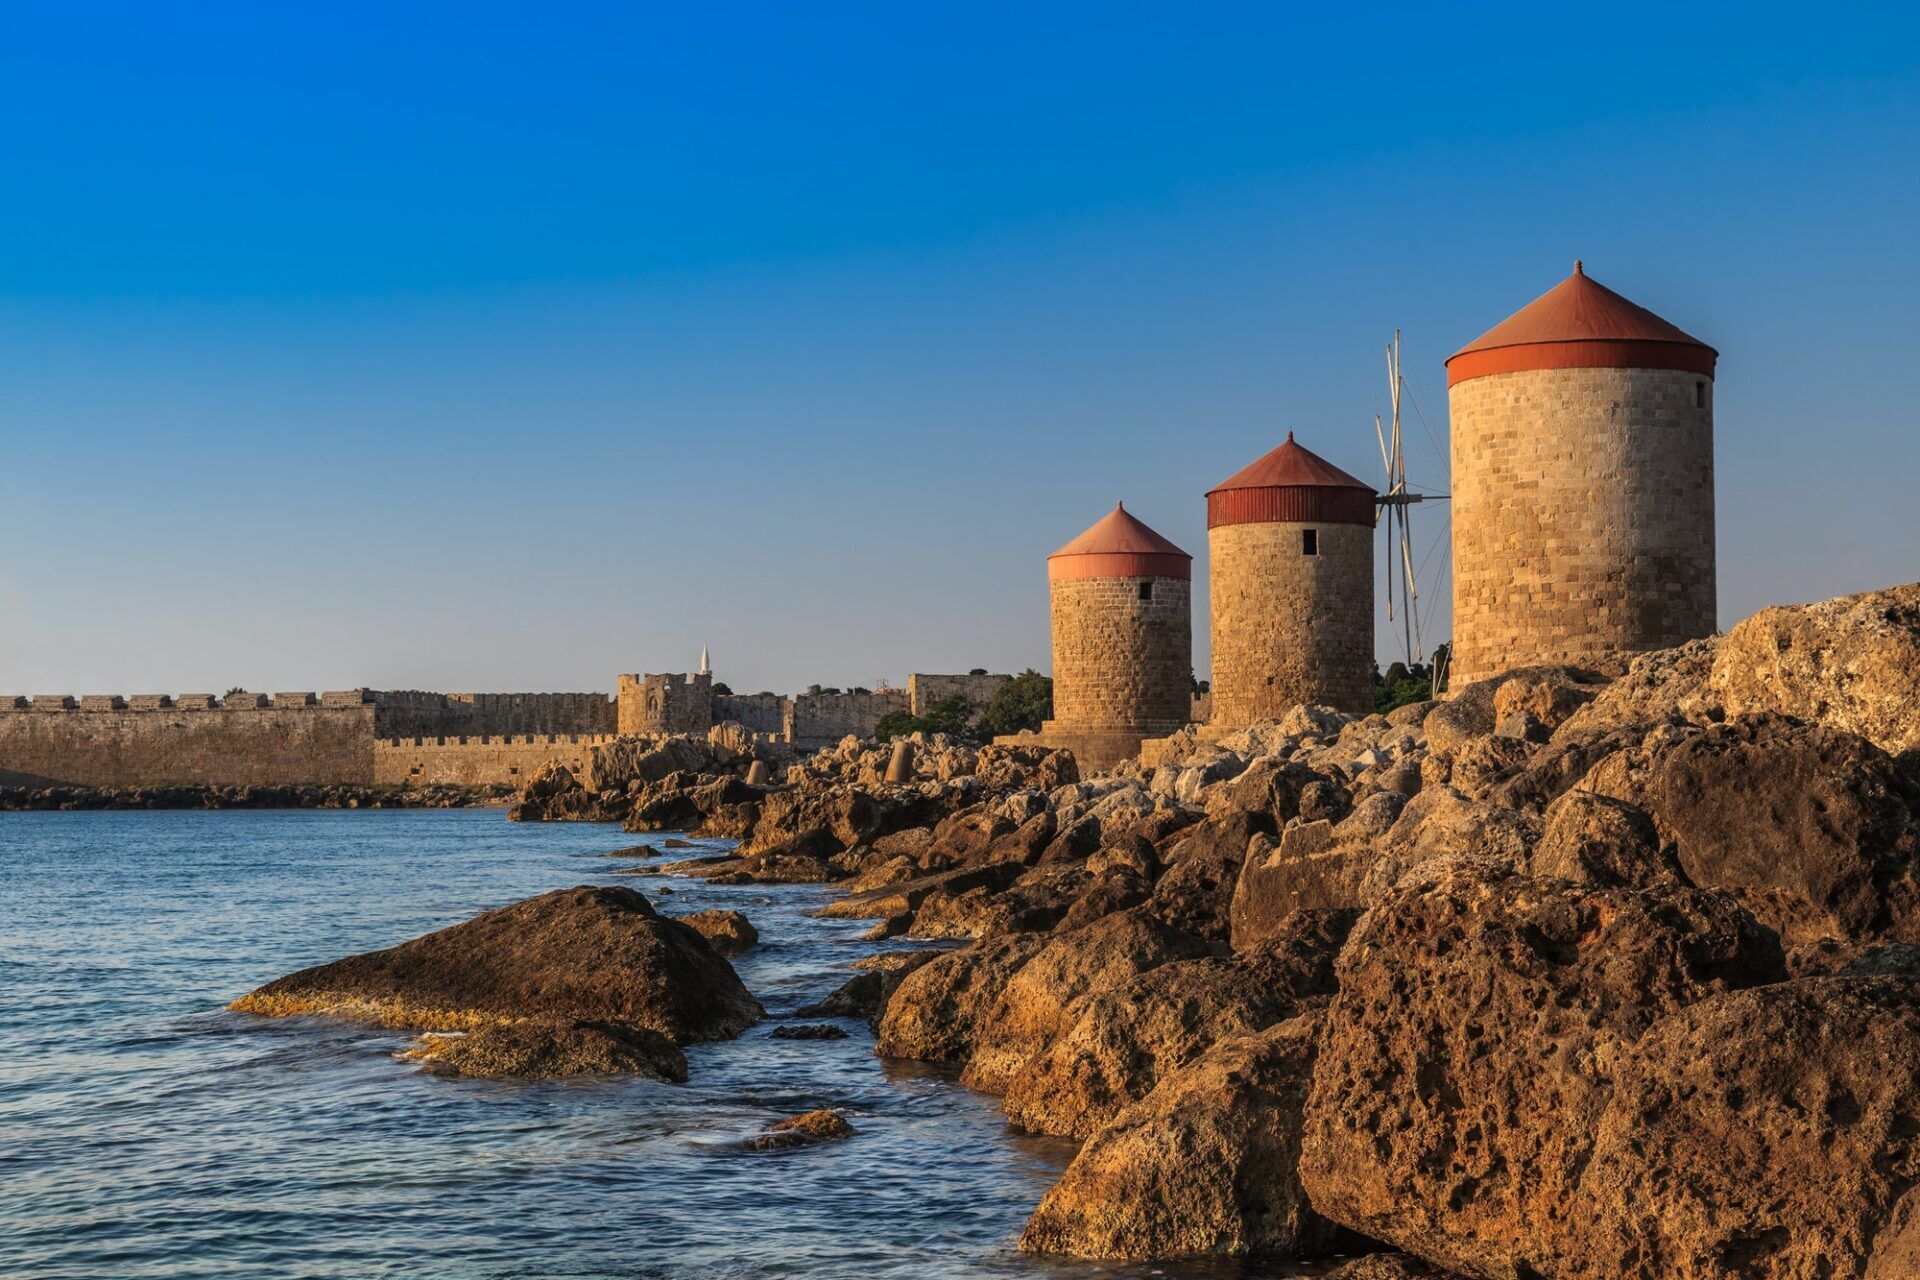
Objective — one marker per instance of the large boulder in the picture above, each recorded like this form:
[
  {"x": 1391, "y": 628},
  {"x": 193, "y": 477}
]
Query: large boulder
[
  {"x": 934, "y": 1013},
  {"x": 1310, "y": 868},
  {"x": 852, "y": 815},
  {"x": 1127, "y": 1038},
  {"x": 1441, "y": 823},
  {"x": 1204, "y": 1165},
  {"x": 1033, "y": 1009},
  {"x": 1598, "y": 840},
  {"x": 1850, "y": 662},
  {"x": 1815, "y": 826},
  {"x": 728, "y": 932},
  {"x": 1481, "y": 1020},
  {"x": 1471, "y": 711},
  {"x": 599, "y": 954},
  {"x": 1773, "y": 1132},
  {"x": 543, "y": 1048},
  {"x": 553, "y": 794},
  {"x": 1195, "y": 892}
]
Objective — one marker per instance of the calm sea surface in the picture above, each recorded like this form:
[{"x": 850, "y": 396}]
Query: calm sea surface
[{"x": 147, "y": 1132}]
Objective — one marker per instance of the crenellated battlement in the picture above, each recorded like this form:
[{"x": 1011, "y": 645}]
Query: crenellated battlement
[
  {"x": 496, "y": 740},
  {"x": 98, "y": 702}
]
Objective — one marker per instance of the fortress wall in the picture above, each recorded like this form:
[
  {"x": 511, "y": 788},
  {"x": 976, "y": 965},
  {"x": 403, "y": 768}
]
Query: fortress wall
[
  {"x": 510, "y": 759},
  {"x": 923, "y": 691},
  {"x": 664, "y": 703},
  {"x": 413, "y": 713},
  {"x": 756, "y": 712},
  {"x": 155, "y": 740},
  {"x": 822, "y": 719}
]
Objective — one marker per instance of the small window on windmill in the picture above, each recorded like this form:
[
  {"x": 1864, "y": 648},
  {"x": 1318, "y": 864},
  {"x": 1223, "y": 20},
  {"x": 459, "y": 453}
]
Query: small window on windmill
[
  {"x": 1146, "y": 591},
  {"x": 1309, "y": 542},
  {"x": 1699, "y": 395}
]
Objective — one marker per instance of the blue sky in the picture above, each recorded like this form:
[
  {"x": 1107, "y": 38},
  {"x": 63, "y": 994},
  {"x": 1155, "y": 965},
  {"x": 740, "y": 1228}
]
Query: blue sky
[{"x": 507, "y": 347}]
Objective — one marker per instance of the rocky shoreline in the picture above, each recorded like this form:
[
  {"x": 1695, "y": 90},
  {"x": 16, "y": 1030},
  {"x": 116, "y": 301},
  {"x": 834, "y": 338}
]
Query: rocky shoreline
[{"x": 1565, "y": 977}]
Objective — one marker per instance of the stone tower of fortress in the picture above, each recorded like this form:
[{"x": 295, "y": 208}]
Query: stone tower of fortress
[
  {"x": 1290, "y": 541},
  {"x": 1122, "y": 613},
  {"x": 1582, "y": 485}
]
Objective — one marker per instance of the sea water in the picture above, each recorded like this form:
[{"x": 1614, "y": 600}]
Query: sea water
[{"x": 145, "y": 1131}]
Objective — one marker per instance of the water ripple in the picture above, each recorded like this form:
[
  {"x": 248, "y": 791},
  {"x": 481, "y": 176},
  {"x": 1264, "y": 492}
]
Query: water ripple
[{"x": 146, "y": 1132}]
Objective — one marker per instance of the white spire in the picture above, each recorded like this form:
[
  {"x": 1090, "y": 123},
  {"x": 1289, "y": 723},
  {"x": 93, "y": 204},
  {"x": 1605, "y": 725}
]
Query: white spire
[{"x": 705, "y": 670}]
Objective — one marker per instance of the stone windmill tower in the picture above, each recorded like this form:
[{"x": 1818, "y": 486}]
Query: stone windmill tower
[
  {"x": 1290, "y": 542},
  {"x": 1582, "y": 484},
  {"x": 1121, "y": 598}
]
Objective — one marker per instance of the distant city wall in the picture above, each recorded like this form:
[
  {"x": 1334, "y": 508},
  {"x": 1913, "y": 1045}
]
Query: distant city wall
[
  {"x": 510, "y": 759},
  {"x": 190, "y": 740},
  {"x": 412, "y": 713},
  {"x": 925, "y": 691},
  {"x": 757, "y": 712},
  {"x": 821, "y": 719},
  {"x": 408, "y": 736}
]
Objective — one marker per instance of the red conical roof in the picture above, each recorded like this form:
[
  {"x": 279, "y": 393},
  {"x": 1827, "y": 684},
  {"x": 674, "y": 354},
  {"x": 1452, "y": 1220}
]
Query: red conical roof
[
  {"x": 1292, "y": 483},
  {"x": 1580, "y": 324},
  {"x": 1119, "y": 546}
]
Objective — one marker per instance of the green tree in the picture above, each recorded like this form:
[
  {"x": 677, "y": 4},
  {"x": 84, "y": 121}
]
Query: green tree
[
  {"x": 949, "y": 716},
  {"x": 895, "y": 724},
  {"x": 1018, "y": 705},
  {"x": 722, "y": 688}
]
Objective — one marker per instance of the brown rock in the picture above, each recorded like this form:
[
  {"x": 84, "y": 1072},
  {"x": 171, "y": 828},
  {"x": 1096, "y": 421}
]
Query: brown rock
[
  {"x": 1482, "y": 764},
  {"x": 1204, "y": 1165},
  {"x": 1759, "y": 1133},
  {"x": 1306, "y": 870},
  {"x": 808, "y": 1031},
  {"x": 1480, "y": 1022},
  {"x": 1815, "y": 826},
  {"x": 1114, "y": 889},
  {"x": 1032, "y": 1009},
  {"x": 545, "y": 1047},
  {"x": 934, "y": 1012},
  {"x": 907, "y": 896},
  {"x": 1009, "y": 767},
  {"x": 1127, "y": 1038},
  {"x": 1663, "y": 687},
  {"x": 596, "y": 954},
  {"x": 802, "y": 1131},
  {"x": 727, "y": 932},
  {"x": 866, "y": 996},
  {"x": 1597, "y": 840},
  {"x": 1195, "y": 892},
  {"x": 1387, "y": 1266},
  {"x": 1470, "y": 712},
  {"x": 1442, "y": 823},
  {"x": 1849, "y": 663}
]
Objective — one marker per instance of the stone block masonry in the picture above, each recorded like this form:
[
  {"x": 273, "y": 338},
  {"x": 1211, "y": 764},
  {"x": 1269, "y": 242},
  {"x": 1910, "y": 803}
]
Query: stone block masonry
[
  {"x": 664, "y": 703},
  {"x": 817, "y": 720},
  {"x": 173, "y": 742},
  {"x": 1122, "y": 654},
  {"x": 508, "y": 760},
  {"x": 926, "y": 691},
  {"x": 1291, "y": 626},
  {"x": 1583, "y": 516}
]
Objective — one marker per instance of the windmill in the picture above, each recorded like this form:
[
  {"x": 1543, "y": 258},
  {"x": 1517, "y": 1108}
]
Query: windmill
[{"x": 1396, "y": 504}]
